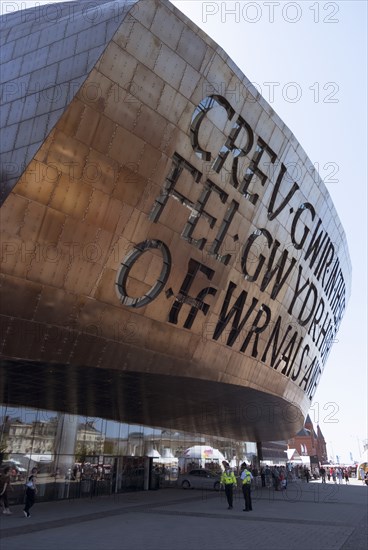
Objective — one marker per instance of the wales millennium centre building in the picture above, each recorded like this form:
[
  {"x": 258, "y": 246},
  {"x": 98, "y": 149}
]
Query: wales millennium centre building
[{"x": 173, "y": 267}]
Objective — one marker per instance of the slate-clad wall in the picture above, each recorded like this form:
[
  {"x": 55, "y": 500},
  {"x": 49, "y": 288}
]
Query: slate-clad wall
[{"x": 46, "y": 54}]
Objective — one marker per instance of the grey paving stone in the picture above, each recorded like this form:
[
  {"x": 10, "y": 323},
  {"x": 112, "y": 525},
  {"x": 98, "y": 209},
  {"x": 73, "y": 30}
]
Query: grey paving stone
[{"x": 172, "y": 518}]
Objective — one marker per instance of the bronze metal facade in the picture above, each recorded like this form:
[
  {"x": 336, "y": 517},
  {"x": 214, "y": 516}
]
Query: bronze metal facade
[{"x": 169, "y": 255}]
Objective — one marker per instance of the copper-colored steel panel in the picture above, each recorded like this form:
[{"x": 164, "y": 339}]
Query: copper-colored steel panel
[
  {"x": 101, "y": 171},
  {"x": 88, "y": 124},
  {"x": 14, "y": 303},
  {"x": 130, "y": 186},
  {"x": 38, "y": 182},
  {"x": 57, "y": 305}
]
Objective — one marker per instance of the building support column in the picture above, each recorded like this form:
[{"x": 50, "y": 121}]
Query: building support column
[
  {"x": 66, "y": 436},
  {"x": 259, "y": 453}
]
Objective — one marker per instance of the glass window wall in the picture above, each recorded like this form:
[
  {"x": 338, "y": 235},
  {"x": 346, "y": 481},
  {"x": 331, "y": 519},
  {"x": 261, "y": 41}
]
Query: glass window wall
[{"x": 76, "y": 456}]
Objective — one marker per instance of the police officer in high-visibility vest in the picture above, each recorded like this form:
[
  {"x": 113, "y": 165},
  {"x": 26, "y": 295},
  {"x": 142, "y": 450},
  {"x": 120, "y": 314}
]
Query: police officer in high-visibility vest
[
  {"x": 246, "y": 479},
  {"x": 228, "y": 480}
]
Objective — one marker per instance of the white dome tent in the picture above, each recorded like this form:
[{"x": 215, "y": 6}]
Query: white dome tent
[
  {"x": 166, "y": 459},
  {"x": 200, "y": 456},
  {"x": 153, "y": 453}
]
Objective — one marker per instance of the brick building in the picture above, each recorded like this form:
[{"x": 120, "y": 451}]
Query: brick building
[{"x": 309, "y": 442}]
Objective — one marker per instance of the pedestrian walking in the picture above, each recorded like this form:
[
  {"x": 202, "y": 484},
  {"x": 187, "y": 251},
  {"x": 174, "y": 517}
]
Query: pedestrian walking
[
  {"x": 362, "y": 474},
  {"x": 282, "y": 479},
  {"x": 322, "y": 471},
  {"x": 228, "y": 480},
  {"x": 276, "y": 478},
  {"x": 263, "y": 477},
  {"x": 268, "y": 477},
  {"x": 31, "y": 491},
  {"x": 246, "y": 479},
  {"x": 339, "y": 475},
  {"x": 334, "y": 475},
  {"x": 346, "y": 476},
  {"x": 4, "y": 486}
]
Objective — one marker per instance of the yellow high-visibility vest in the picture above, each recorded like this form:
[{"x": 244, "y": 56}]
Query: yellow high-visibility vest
[
  {"x": 228, "y": 479},
  {"x": 247, "y": 478}
]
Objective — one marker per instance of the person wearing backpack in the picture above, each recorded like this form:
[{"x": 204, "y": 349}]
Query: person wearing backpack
[{"x": 31, "y": 491}]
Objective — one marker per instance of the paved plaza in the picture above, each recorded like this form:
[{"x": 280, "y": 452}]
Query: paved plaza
[{"x": 306, "y": 516}]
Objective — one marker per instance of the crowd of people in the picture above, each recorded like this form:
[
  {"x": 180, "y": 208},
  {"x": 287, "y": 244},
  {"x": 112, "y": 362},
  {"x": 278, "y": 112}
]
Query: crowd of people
[
  {"x": 278, "y": 476},
  {"x": 335, "y": 474}
]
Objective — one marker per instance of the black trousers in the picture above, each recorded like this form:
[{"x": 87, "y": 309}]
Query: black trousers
[
  {"x": 30, "y": 500},
  {"x": 247, "y": 496},
  {"x": 229, "y": 493},
  {"x": 4, "y": 498}
]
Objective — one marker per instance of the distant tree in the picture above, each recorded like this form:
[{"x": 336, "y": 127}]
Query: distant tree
[
  {"x": 80, "y": 456},
  {"x": 108, "y": 447},
  {"x": 3, "y": 454}
]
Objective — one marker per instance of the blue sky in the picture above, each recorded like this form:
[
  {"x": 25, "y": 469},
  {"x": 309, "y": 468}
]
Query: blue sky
[{"x": 316, "y": 51}]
